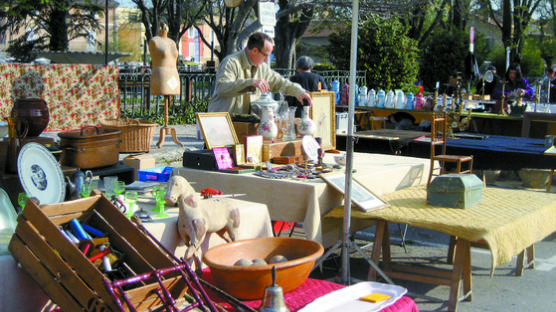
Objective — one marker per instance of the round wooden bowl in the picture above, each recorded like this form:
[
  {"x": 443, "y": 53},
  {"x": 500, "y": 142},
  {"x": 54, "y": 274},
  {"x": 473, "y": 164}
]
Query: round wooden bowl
[{"x": 249, "y": 282}]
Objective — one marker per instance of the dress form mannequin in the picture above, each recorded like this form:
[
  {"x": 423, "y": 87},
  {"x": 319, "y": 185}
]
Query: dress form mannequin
[{"x": 165, "y": 79}]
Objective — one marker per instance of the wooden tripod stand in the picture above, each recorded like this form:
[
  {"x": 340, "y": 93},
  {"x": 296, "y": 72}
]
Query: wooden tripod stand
[{"x": 165, "y": 130}]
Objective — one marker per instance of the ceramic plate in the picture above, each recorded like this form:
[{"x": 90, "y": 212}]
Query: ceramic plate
[
  {"x": 347, "y": 299},
  {"x": 40, "y": 174},
  {"x": 310, "y": 147}
]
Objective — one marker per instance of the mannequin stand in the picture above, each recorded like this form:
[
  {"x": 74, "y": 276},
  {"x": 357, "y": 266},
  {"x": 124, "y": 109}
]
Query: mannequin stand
[{"x": 165, "y": 130}]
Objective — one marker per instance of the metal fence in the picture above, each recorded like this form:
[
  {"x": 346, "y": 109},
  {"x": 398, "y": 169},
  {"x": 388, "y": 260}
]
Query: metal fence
[{"x": 136, "y": 100}]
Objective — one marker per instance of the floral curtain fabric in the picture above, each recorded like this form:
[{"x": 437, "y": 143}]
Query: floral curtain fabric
[{"x": 76, "y": 94}]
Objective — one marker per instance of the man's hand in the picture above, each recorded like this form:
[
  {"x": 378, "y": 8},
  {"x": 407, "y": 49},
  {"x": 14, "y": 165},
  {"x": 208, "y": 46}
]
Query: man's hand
[
  {"x": 262, "y": 85},
  {"x": 305, "y": 96}
]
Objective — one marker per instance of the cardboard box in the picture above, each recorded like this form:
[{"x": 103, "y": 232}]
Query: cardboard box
[{"x": 139, "y": 161}]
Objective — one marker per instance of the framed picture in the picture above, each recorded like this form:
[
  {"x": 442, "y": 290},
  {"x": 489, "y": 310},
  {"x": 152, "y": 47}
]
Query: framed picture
[
  {"x": 323, "y": 113},
  {"x": 253, "y": 149},
  {"x": 217, "y": 129},
  {"x": 361, "y": 196}
]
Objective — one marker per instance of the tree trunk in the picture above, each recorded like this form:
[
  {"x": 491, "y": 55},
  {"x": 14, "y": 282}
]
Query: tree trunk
[
  {"x": 59, "y": 30},
  {"x": 288, "y": 32}
]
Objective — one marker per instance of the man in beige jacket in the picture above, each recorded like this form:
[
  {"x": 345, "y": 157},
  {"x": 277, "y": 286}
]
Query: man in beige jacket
[{"x": 245, "y": 75}]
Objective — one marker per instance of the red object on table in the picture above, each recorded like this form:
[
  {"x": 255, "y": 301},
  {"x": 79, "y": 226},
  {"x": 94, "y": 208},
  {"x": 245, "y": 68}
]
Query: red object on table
[
  {"x": 210, "y": 191},
  {"x": 306, "y": 293}
]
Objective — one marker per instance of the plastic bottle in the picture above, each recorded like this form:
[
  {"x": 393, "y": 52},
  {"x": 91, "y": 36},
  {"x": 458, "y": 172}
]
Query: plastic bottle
[
  {"x": 335, "y": 86},
  {"x": 419, "y": 99},
  {"x": 410, "y": 101},
  {"x": 371, "y": 98},
  {"x": 8, "y": 221},
  {"x": 400, "y": 100},
  {"x": 363, "y": 96},
  {"x": 381, "y": 96},
  {"x": 389, "y": 102}
]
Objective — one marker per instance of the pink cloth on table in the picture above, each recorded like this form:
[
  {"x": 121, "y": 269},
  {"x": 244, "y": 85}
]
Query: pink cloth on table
[{"x": 311, "y": 290}]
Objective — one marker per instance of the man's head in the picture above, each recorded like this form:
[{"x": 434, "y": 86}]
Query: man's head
[
  {"x": 304, "y": 63},
  {"x": 259, "y": 48}
]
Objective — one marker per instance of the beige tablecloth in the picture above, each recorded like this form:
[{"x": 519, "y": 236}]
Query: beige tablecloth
[
  {"x": 306, "y": 201},
  {"x": 509, "y": 220}
]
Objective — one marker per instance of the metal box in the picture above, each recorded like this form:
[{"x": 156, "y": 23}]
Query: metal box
[
  {"x": 455, "y": 190},
  {"x": 200, "y": 159}
]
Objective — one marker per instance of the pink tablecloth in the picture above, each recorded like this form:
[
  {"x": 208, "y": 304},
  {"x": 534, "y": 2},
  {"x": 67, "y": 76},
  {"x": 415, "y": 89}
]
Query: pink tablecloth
[{"x": 313, "y": 289}]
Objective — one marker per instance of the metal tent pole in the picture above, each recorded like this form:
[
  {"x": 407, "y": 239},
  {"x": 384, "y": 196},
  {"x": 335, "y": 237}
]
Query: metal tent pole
[{"x": 349, "y": 143}]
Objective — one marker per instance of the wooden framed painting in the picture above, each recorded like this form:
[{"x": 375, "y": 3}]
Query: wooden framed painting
[
  {"x": 323, "y": 113},
  {"x": 361, "y": 196},
  {"x": 217, "y": 129}
]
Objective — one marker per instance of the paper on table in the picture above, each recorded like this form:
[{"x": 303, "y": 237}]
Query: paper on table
[{"x": 347, "y": 299}]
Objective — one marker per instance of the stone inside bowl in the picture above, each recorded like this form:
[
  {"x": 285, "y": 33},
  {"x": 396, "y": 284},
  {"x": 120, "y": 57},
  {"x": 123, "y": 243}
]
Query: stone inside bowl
[{"x": 249, "y": 282}]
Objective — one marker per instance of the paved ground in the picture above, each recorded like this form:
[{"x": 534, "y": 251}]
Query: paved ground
[{"x": 534, "y": 291}]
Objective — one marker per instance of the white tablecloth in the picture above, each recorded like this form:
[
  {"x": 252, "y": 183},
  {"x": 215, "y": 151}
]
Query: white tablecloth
[{"x": 307, "y": 201}]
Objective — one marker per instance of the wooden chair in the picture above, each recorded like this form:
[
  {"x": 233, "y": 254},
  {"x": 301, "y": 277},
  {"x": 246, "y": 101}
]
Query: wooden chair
[
  {"x": 381, "y": 121},
  {"x": 439, "y": 127}
]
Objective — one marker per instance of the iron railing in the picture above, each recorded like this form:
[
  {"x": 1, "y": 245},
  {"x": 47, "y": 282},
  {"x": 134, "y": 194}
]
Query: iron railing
[{"x": 136, "y": 100}]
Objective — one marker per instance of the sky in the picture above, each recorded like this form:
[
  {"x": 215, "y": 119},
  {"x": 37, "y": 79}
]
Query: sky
[{"x": 126, "y": 3}]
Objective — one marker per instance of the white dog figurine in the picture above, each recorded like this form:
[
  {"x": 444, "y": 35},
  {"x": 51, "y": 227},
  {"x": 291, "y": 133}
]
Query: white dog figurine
[{"x": 197, "y": 217}]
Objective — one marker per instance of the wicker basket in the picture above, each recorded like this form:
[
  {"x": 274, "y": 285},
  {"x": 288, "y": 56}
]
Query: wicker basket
[{"x": 137, "y": 135}]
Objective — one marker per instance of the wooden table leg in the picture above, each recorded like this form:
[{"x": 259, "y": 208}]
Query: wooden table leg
[
  {"x": 462, "y": 251},
  {"x": 520, "y": 262},
  {"x": 377, "y": 248}
]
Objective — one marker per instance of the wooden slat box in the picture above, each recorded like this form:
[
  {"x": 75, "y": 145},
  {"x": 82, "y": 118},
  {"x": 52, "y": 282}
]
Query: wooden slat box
[{"x": 66, "y": 275}]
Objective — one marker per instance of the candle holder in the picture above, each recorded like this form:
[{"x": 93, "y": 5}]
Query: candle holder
[
  {"x": 454, "y": 116},
  {"x": 159, "y": 191}
]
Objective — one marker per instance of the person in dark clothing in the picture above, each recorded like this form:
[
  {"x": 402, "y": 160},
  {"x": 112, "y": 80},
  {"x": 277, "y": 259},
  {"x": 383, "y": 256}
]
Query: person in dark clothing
[
  {"x": 516, "y": 87},
  {"x": 308, "y": 80},
  {"x": 489, "y": 86}
]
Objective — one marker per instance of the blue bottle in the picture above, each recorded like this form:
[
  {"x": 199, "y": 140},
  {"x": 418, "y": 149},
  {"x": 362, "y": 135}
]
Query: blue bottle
[
  {"x": 335, "y": 86},
  {"x": 381, "y": 96},
  {"x": 410, "y": 101}
]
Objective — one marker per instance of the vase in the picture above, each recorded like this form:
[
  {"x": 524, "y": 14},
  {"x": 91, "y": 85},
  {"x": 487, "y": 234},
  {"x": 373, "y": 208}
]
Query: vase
[
  {"x": 35, "y": 112},
  {"x": 289, "y": 129},
  {"x": 268, "y": 128},
  {"x": 306, "y": 126}
]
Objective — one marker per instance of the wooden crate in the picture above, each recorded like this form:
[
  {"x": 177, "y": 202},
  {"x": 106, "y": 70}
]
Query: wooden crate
[
  {"x": 66, "y": 275},
  {"x": 282, "y": 148}
]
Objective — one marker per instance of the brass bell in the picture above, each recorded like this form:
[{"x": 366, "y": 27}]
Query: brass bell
[{"x": 273, "y": 300}]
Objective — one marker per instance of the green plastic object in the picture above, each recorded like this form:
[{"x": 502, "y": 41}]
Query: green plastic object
[{"x": 455, "y": 191}]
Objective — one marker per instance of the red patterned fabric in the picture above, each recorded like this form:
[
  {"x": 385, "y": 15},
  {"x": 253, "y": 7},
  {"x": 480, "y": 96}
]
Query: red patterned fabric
[
  {"x": 309, "y": 291},
  {"x": 76, "y": 94}
]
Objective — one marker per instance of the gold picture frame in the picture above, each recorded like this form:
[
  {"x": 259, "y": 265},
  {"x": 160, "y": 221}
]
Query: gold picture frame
[
  {"x": 217, "y": 129},
  {"x": 323, "y": 113},
  {"x": 361, "y": 196}
]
